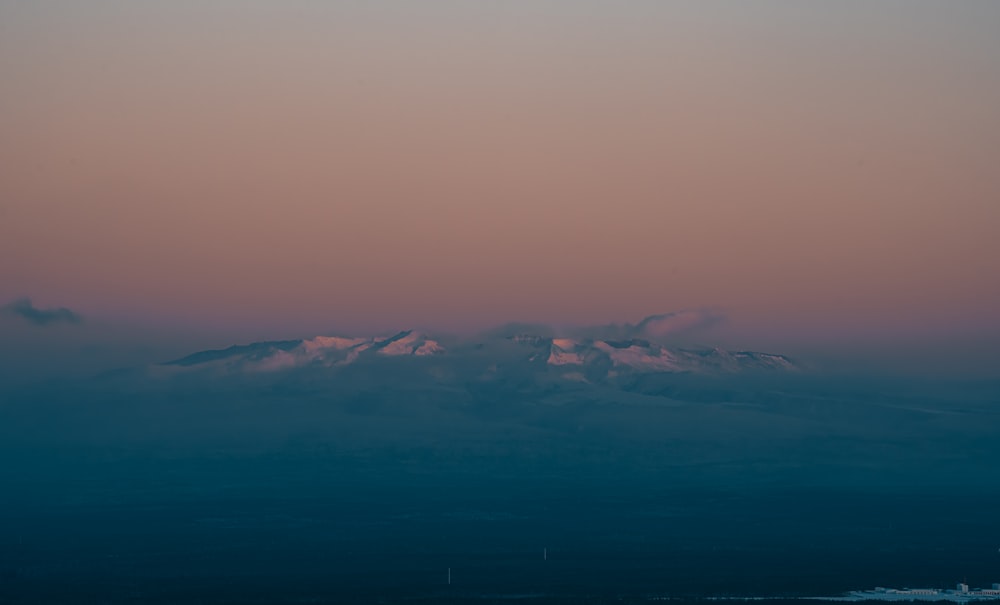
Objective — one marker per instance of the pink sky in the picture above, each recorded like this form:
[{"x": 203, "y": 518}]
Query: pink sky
[{"x": 457, "y": 164}]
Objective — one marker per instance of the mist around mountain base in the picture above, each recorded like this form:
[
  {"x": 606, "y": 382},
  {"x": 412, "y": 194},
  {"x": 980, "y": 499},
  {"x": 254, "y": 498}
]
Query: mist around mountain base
[{"x": 535, "y": 469}]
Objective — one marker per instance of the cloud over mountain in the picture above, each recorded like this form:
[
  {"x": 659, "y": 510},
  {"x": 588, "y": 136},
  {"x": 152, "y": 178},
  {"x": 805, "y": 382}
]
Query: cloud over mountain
[
  {"x": 659, "y": 327},
  {"x": 678, "y": 323},
  {"x": 616, "y": 357}
]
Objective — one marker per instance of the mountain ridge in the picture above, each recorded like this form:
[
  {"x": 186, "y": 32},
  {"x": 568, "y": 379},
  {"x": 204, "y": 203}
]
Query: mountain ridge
[{"x": 584, "y": 359}]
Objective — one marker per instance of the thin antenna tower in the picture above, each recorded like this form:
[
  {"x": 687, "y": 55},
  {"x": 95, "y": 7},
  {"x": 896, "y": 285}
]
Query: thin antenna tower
[
  {"x": 449, "y": 576},
  {"x": 545, "y": 554}
]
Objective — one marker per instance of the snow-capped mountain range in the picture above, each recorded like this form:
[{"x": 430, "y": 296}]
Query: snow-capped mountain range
[
  {"x": 578, "y": 359},
  {"x": 329, "y": 351}
]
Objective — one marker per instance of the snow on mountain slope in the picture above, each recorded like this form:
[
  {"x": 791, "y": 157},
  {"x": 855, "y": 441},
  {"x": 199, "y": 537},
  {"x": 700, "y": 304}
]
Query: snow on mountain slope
[
  {"x": 562, "y": 352},
  {"x": 591, "y": 360},
  {"x": 410, "y": 343},
  {"x": 608, "y": 358},
  {"x": 640, "y": 355},
  {"x": 331, "y": 342},
  {"x": 329, "y": 351}
]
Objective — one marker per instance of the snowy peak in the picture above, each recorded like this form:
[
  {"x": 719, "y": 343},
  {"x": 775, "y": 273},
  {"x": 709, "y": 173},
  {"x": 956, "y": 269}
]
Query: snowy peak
[
  {"x": 335, "y": 343},
  {"x": 610, "y": 358},
  {"x": 565, "y": 352},
  {"x": 328, "y": 351},
  {"x": 595, "y": 360},
  {"x": 409, "y": 343},
  {"x": 640, "y": 355}
]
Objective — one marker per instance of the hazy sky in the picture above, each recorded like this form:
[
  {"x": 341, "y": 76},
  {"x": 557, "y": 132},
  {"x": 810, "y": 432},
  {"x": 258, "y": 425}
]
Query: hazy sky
[{"x": 804, "y": 166}]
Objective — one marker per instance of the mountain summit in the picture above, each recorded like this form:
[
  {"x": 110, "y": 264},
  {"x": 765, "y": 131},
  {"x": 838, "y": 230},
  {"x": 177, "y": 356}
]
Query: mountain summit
[
  {"x": 594, "y": 360},
  {"x": 320, "y": 351}
]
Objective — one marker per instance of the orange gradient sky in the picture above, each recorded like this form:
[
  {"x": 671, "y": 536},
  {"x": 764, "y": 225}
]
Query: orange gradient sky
[{"x": 457, "y": 164}]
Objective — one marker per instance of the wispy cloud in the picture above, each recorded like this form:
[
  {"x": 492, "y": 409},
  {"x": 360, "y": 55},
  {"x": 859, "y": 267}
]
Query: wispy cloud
[
  {"x": 26, "y": 310},
  {"x": 675, "y": 324},
  {"x": 679, "y": 323}
]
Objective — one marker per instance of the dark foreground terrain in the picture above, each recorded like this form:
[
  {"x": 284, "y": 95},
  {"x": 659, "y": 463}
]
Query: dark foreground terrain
[
  {"x": 282, "y": 496},
  {"x": 215, "y": 535}
]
